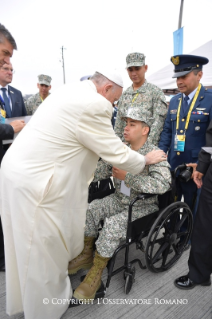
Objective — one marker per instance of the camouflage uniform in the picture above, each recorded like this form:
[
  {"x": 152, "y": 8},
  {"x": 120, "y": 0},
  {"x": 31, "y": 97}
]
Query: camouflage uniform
[
  {"x": 32, "y": 104},
  {"x": 34, "y": 101},
  {"x": 152, "y": 102},
  {"x": 113, "y": 209}
]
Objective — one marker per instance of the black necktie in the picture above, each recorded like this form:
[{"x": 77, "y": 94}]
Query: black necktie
[
  {"x": 7, "y": 103},
  {"x": 185, "y": 104}
]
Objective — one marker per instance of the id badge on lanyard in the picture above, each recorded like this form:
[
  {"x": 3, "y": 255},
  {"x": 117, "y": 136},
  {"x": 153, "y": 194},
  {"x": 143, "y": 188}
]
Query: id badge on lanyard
[
  {"x": 179, "y": 140},
  {"x": 179, "y": 143},
  {"x": 2, "y": 111},
  {"x": 2, "y": 116}
]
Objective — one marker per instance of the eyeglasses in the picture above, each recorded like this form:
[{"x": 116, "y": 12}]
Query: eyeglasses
[{"x": 8, "y": 70}]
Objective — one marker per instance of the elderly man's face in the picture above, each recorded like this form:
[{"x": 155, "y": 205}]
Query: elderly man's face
[
  {"x": 6, "y": 74},
  {"x": 113, "y": 93},
  {"x": 6, "y": 52}
]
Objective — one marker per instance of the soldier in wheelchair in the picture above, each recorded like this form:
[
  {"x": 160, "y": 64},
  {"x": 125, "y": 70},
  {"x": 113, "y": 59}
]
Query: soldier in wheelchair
[{"x": 113, "y": 209}]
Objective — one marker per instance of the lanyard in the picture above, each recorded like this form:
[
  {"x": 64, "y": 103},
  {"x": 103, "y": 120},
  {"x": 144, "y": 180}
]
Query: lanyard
[
  {"x": 2, "y": 110},
  {"x": 190, "y": 109},
  {"x": 41, "y": 98},
  {"x": 1, "y": 102},
  {"x": 133, "y": 100}
]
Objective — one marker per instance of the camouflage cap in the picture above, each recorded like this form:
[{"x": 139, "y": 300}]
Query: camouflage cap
[
  {"x": 137, "y": 114},
  {"x": 44, "y": 79},
  {"x": 135, "y": 59}
]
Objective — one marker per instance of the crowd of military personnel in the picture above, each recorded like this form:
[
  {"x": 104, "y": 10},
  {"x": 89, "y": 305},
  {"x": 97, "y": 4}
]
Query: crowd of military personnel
[{"x": 144, "y": 123}]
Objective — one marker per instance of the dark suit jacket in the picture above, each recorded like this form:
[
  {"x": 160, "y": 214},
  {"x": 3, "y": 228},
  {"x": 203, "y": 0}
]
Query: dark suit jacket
[
  {"x": 18, "y": 107},
  {"x": 204, "y": 157},
  {"x": 195, "y": 135},
  {"x": 6, "y": 133}
]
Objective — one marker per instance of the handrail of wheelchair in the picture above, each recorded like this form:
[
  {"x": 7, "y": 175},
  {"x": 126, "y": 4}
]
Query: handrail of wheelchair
[{"x": 139, "y": 197}]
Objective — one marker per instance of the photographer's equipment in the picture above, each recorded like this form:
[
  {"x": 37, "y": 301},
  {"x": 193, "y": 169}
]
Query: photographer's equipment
[{"x": 185, "y": 173}]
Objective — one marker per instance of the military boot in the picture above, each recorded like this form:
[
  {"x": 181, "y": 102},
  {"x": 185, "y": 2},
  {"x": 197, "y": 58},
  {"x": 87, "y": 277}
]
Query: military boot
[
  {"x": 83, "y": 260},
  {"x": 92, "y": 282}
]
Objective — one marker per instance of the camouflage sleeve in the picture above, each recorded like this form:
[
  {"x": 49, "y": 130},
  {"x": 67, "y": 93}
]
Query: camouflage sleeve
[
  {"x": 159, "y": 113},
  {"x": 158, "y": 180},
  {"x": 29, "y": 105},
  {"x": 120, "y": 124},
  {"x": 103, "y": 171}
]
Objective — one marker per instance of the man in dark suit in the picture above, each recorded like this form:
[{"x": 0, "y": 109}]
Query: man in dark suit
[
  {"x": 188, "y": 117},
  {"x": 6, "y": 132},
  {"x": 7, "y": 45},
  {"x": 200, "y": 259},
  {"x": 13, "y": 100}
]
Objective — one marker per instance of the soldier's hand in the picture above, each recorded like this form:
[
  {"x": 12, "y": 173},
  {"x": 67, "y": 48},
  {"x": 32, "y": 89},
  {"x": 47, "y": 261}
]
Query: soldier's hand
[
  {"x": 197, "y": 177},
  {"x": 17, "y": 125},
  {"x": 194, "y": 165},
  {"x": 155, "y": 156},
  {"x": 119, "y": 173}
]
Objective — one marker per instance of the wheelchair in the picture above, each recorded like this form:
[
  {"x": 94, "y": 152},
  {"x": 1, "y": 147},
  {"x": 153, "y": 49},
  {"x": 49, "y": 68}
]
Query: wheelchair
[{"x": 167, "y": 233}]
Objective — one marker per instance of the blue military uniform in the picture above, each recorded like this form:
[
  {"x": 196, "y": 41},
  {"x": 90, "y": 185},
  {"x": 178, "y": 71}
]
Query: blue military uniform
[
  {"x": 195, "y": 134},
  {"x": 200, "y": 117}
]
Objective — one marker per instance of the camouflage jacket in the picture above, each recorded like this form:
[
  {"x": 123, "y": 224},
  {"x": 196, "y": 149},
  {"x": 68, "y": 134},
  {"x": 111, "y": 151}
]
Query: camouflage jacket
[
  {"x": 33, "y": 103},
  {"x": 154, "y": 179},
  {"x": 152, "y": 103}
]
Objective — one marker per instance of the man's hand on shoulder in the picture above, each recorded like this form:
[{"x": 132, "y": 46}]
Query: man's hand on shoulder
[
  {"x": 17, "y": 125},
  {"x": 155, "y": 156}
]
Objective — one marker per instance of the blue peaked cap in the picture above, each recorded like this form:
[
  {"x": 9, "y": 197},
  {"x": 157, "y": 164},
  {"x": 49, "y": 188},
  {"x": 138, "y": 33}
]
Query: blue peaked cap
[{"x": 185, "y": 63}]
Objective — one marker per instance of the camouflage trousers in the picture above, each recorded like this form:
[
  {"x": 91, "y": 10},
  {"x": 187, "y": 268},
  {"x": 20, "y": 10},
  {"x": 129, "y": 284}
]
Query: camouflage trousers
[{"x": 115, "y": 216}]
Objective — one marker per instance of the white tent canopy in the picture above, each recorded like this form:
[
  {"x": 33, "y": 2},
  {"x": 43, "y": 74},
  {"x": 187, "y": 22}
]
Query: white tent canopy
[{"x": 163, "y": 78}]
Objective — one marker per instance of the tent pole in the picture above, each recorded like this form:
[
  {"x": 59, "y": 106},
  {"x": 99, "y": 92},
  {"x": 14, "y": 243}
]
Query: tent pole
[{"x": 181, "y": 15}]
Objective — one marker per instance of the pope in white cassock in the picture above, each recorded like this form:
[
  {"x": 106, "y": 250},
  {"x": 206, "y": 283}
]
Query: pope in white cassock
[{"x": 44, "y": 189}]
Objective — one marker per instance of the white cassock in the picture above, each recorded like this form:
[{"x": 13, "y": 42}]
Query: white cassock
[{"x": 44, "y": 188}]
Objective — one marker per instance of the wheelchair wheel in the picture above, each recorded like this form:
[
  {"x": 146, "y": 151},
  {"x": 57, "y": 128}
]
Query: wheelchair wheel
[
  {"x": 168, "y": 237},
  {"x": 129, "y": 280}
]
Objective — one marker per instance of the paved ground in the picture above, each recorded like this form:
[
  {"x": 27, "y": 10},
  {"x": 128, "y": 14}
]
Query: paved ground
[{"x": 197, "y": 303}]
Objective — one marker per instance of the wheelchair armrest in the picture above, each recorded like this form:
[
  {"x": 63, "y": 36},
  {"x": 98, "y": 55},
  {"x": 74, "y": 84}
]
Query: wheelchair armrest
[
  {"x": 142, "y": 196},
  {"x": 139, "y": 197},
  {"x": 129, "y": 226}
]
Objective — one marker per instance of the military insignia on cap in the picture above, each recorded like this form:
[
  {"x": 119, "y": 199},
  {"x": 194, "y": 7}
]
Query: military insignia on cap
[{"x": 176, "y": 60}]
